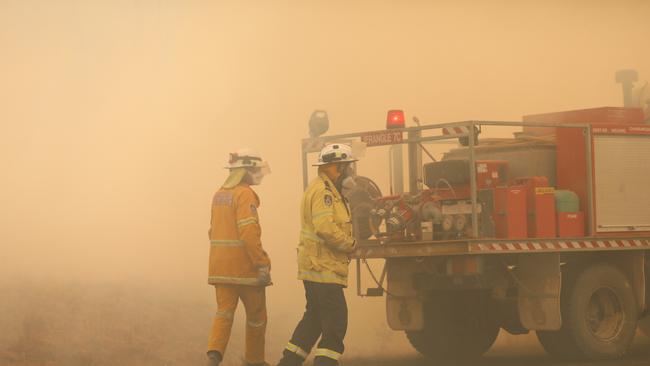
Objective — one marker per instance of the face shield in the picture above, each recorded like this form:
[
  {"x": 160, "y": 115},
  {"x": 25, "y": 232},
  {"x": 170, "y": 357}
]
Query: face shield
[
  {"x": 257, "y": 173},
  {"x": 349, "y": 169},
  {"x": 347, "y": 179},
  {"x": 265, "y": 168}
]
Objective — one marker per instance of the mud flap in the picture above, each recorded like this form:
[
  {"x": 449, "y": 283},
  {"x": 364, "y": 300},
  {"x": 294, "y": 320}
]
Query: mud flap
[
  {"x": 539, "y": 281},
  {"x": 634, "y": 265},
  {"x": 404, "y": 313},
  {"x": 403, "y": 304},
  {"x": 639, "y": 280}
]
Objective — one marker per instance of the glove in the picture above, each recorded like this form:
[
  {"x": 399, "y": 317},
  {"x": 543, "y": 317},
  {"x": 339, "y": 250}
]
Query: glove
[{"x": 264, "y": 276}]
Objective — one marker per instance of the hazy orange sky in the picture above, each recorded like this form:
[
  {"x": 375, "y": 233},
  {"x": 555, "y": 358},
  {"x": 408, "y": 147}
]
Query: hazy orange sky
[{"x": 116, "y": 117}]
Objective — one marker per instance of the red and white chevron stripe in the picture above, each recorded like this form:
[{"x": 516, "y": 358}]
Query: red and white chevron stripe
[
  {"x": 461, "y": 130},
  {"x": 525, "y": 246}
]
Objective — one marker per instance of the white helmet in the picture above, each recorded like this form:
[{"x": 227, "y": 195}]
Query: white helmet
[
  {"x": 335, "y": 153},
  {"x": 247, "y": 158}
]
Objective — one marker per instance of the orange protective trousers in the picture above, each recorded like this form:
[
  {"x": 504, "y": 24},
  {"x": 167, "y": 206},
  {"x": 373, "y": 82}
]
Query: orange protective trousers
[{"x": 254, "y": 299}]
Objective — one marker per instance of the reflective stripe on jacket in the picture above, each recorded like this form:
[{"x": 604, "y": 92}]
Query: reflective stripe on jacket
[
  {"x": 326, "y": 234},
  {"x": 236, "y": 250}
]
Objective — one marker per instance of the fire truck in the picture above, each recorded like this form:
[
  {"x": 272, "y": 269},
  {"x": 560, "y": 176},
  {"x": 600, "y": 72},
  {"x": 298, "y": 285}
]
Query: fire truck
[{"x": 466, "y": 232}]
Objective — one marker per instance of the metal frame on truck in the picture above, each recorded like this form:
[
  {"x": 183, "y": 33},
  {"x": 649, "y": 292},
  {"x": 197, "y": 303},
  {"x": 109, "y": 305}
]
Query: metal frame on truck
[{"x": 519, "y": 284}]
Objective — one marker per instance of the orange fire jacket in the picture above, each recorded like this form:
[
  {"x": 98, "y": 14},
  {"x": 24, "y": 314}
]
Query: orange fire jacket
[{"x": 236, "y": 252}]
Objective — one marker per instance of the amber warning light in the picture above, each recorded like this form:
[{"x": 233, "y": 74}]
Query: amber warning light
[{"x": 395, "y": 119}]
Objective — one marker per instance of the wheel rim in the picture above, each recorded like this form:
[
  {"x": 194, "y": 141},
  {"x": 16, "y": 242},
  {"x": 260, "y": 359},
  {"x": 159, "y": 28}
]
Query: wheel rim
[{"x": 604, "y": 315}]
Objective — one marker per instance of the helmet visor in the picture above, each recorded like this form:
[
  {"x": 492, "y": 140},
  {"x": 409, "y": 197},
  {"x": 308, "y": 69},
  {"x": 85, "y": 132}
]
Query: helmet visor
[{"x": 264, "y": 168}]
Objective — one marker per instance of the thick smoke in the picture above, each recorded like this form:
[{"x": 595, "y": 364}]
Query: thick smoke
[{"x": 116, "y": 119}]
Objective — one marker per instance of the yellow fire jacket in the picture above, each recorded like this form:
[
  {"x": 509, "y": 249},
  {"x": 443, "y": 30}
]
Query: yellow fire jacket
[
  {"x": 236, "y": 251},
  {"x": 326, "y": 234}
]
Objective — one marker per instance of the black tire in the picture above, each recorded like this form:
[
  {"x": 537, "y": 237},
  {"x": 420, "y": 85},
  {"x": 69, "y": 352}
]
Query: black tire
[
  {"x": 599, "y": 316},
  {"x": 557, "y": 344},
  {"x": 456, "y": 326}
]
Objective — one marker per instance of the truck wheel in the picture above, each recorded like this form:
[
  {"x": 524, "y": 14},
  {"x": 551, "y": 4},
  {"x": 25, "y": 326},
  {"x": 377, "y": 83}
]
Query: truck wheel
[
  {"x": 644, "y": 325},
  {"x": 599, "y": 316},
  {"x": 558, "y": 344},
  {"x": 456, "y": 326}
]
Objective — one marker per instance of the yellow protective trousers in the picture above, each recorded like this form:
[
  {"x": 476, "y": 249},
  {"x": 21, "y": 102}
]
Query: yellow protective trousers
[{"x": 254, "y": 299}]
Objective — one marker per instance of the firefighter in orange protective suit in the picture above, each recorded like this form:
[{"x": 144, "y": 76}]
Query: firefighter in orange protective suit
[{"x": 239, "y": 268}]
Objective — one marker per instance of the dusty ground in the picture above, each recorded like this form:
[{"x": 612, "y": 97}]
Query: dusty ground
[
  {"x": 515, "y": 352},
  {"x": 142, "y": 324},
  {"x": 75, "y": 324}
]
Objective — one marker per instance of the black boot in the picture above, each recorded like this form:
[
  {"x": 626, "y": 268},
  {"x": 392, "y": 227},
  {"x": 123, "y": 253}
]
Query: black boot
[
  {"x": 325, "y": 361},
  {"x": 290, "y": 359},
  {"x": 214, "y": 358}
]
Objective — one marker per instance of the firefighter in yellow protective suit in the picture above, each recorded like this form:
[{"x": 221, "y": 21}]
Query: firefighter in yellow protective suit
[
  {"x": 326, "y": 242},
  {"x": 239, "y": 268}
]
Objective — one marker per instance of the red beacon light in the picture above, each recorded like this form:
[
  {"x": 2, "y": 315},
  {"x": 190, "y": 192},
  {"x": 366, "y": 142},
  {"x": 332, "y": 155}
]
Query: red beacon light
[{"x": 395, "y": 119}]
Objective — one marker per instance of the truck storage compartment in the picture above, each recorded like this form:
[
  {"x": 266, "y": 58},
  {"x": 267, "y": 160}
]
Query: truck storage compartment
[{"x": 622, "y": 197}]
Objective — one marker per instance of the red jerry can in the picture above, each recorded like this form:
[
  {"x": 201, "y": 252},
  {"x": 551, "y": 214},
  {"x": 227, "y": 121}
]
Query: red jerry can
[
  {"x": 510, "y": 212},
  {"x": 540, "y": 203},
  {"x": 571, "y": 224}
]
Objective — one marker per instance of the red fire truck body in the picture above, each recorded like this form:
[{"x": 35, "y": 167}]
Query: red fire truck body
[{"x": 547, "y": 231}]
